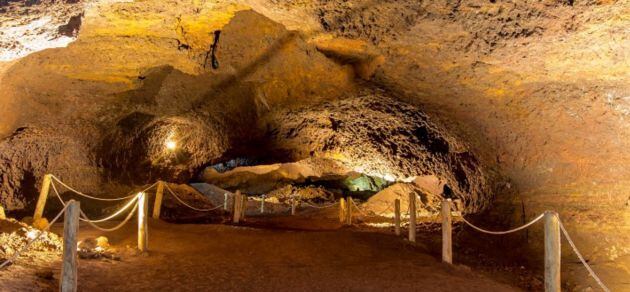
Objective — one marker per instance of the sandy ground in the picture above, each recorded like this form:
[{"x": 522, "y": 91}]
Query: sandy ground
[{"x": 236, "y": 258}]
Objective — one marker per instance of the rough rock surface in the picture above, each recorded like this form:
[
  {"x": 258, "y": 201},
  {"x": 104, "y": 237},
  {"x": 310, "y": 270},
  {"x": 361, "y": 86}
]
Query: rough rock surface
[
  {"x": 31, "y": 26},
  {"x": 113, "y": 107},
  {"x": 379, "y": 136},
  {"x": 537, "y": 90}
]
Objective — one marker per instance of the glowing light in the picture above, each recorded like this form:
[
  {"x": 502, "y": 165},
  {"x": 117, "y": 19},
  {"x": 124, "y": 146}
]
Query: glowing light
[
  {"x": 170, "y": 144},
  {"x": 32, "y": 234}
]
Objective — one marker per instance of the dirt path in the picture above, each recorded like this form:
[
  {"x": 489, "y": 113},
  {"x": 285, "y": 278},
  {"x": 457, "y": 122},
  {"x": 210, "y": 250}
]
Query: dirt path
[{"x": 229, "y": 258}]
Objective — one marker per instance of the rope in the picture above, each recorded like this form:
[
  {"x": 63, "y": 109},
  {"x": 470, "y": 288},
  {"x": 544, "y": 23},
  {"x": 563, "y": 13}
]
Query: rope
[
  {"x": 320, "y": 207},
  {"x": 86, "y": 219},
  {"x": 189, "y": 206},
  {"x": 360, "y": 211},
  {"x": 95, "y": 198},
  {"x": 504, "y": 232},
  {"x": 389, "y": 208},
  {"x": 579, "y": 255},
  {"x": 115, "y": 227},
  {"x": 17, "y": 254}
]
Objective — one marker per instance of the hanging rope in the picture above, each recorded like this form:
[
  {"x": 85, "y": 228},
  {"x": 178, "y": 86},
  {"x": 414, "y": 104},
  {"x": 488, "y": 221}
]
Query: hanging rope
[
  {"x": 357, "y": 207},
  {"x": 95, "y": 198},
  {"x": 17, "y": 254},
  {"x": 115, "y": 227},
  {"x": 319, "y": 207},
  {"x": 579, "y": 255},
  {"x": 86, "y": 219},
  {"x": 189, "y": 206},
  {"x": 504, "y": 232}
]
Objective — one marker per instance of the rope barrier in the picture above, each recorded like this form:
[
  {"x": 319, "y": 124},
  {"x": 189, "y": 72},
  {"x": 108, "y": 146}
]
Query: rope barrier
[
  {"x": 17, "y": 254},
  {"x": 115, "y": 227},
  {"x": 95, "y": 198},
  {"x": 86, "y": 219},
  {"x": 357, "y": 207},
  {"x": 189, "y": 206},
  {"x": 579, "y": 255},
  {"x": 320, "y": 207},
  {"x": 503, "y": 232}
]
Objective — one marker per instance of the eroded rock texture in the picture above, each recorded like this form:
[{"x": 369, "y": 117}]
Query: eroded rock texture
[
  {"x": 526, "y": 97},
  {"x": 34, "y": 25},
  {"x": 374, "y": 134}
]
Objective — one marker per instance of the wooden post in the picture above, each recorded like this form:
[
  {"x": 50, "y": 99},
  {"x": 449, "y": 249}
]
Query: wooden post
[
  {"x": 342, "y": 210},
  {"x": 225, "y": 199},
  {"x": 157, "y": 205},
  {"x": 43, "y": 196},
  {"x": 412, "y": 217},
  {"x": 293, "y": 206},
  {"x": 397, "y": 216},
  {"x": 236, "y": 211},
  {"x": 262, "y": 205},
  {"x": 349, "y": 212},
  {"x": 142, "y": 223},
  {"x": 447, "y": 244},
  {"x": 68, "y": 280},
  {"x": 552, "y": 252}
]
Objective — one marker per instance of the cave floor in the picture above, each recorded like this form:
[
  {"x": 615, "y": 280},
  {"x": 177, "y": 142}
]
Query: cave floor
[{"x": 202, "y": 257}]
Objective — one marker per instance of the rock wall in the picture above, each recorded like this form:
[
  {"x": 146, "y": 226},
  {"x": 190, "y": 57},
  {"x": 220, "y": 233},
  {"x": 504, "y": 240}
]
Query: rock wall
[
  {"x": 136, "y": 78},
  {"x": 533, "y": 94}
]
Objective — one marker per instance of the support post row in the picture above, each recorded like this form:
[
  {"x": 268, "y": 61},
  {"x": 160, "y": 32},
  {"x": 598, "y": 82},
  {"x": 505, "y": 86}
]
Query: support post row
[
  {"x": 236, "y": 207},
  {"x": 447, "y": 232},
  {"x": 349, "y": 212},
  {"x": 43, "y": 196},
  {"x": 157, "y": 205},
  {"x": 552, "y": 252},
  {"x": 68, "y": 280},
  {"x": 412, "y": 217},
  {"x": 142, "y": 223},
  {"x": 397, "y": 216},
  {"x": 342, "y": 210},
  {"x": 293, "y": 205}
]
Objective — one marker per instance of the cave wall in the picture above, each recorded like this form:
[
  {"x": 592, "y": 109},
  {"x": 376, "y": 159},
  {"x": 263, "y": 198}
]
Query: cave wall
[
  {"x": 537, "y": 90},
  {"x": 138, "y": 74},
  {"x": 540, "y": 90}
]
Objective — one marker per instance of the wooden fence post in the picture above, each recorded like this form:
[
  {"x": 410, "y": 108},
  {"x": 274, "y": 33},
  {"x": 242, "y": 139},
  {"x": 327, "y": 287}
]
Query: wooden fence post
[
  {"x": 225, "y": 200},
  {"x": 262, "y": 204},
  {"x": 349, "y": 211},
  {"x": 293, "y": 205},
  {"x": 43, "y": 196},
  {"x": 342, "y": 210},
  {"x": 68, "y": 280},
  {"x": 397, "y": 216},
  {"x": 236, "y": 210},
  {"x": 157, "y": 205},
  {"x": 143, "y": 237},
  {"x": 412, "y": 217},
  {"x": 447, "y": 244},
  {"x": 552, "y": 252}
]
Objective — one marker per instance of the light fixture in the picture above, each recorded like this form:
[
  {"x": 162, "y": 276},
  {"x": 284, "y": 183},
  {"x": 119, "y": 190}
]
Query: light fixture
[{"x": 170, "y": 144}]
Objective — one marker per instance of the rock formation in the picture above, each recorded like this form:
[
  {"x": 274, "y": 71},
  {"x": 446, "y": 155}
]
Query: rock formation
[{"x": 520, "y": 106}]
